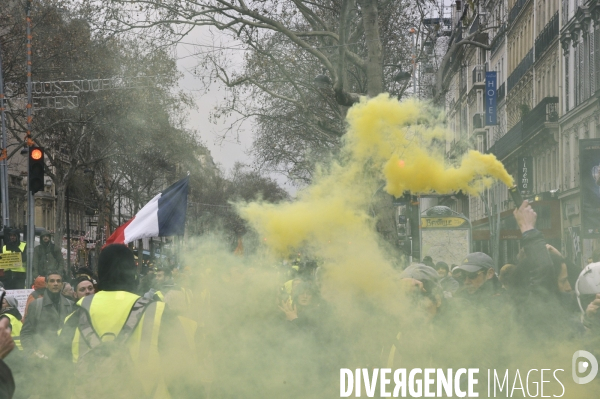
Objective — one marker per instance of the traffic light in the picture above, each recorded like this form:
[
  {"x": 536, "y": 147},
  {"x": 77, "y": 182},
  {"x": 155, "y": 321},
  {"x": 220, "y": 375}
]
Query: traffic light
[{"x": 36, "y": 169}]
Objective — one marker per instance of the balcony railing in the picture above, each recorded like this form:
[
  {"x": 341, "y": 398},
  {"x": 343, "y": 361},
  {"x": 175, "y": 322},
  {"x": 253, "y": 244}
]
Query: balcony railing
[
  {"x": 546, "y": 36},
  {"x": 498, "y": 38},
  {"x": 519, "y": 5},
  {"x": 545, "y": 111},
  {"x": 509, "y": 142},
  {"x": 520, "y": 70},
  {"x": 501, "y": 92},
  {"x": 478, "y": 75}
]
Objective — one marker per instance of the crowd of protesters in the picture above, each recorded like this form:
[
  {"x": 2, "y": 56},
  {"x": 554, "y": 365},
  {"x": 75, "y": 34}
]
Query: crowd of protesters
[
  {"x": 57, "y": 296},
  {"x": 66, "y": 321},
  {"x": 549, "y": 298}
]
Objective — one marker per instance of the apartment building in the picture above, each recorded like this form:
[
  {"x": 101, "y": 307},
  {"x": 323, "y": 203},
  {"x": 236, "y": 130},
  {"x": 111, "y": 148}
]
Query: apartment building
[
  {"x": 523, "y": 48},
  {"x": 580, "y": 116}
]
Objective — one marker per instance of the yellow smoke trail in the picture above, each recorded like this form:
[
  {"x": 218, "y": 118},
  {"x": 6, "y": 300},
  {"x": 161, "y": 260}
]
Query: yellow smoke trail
[{"x": 386, "y": 139}]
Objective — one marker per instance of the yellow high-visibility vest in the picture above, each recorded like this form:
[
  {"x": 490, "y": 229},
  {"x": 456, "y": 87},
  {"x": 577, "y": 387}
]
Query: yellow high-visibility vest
[
  {"x": 108, "y": 312},
  {"x": 15, "y": 333},
  {"x": 22, "y": 248}
]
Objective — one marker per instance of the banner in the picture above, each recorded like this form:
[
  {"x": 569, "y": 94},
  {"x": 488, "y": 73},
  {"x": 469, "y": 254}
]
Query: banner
[
  {"x": 21, "y": 297},
  {"x": 589, "y": 173},
  {"x": 11, "y": 260},
  {"x": 490, "y": 98},
  {"x": 525, "y": 175}
]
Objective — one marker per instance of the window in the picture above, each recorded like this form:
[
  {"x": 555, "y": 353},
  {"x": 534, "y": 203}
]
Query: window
[
  {"x": 554, "y": 81},
  {"x": 581, "y": 80},
  {"x": 552, "y": 169},
  {"x": 575, "y": 150},
  {"x": 567, "y": 157},
  {"x": 576, "y": 98},
  {"x": 547, "y": 172},
  {"x": 597, "y": 55},
  {"x": 591, "y": 62},
  {"x": 567, "y": 82}
]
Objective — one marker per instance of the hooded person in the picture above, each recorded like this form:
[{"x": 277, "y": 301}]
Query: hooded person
[
  {"x": 116, "y": 313},
  {"x": 15, "y": 278},
  {"x": 47, "y": 256}
]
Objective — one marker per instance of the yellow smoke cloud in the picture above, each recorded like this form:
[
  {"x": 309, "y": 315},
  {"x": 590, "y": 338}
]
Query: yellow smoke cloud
[{"x": 386, "y": 140}]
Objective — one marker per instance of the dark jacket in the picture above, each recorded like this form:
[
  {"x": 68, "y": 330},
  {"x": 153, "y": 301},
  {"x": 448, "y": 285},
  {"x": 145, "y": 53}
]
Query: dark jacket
[
  {"x": 42, "y": 323},
  {"x": 540, "y": 308},
  {"x": 539, "y": 272},
  {"x": 47, "y": 257},
  {"x": 7, "y": 383}
]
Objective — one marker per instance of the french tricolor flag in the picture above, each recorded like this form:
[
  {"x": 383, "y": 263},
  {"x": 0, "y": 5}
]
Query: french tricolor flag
[{"x": 163, "y": 216}]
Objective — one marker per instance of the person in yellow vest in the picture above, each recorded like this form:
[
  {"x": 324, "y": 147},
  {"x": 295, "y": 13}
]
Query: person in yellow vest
[
  {"x": 14, "y": 279},
  {"x": 123, "y": 345},
  {"x": 10, "y": 310}
]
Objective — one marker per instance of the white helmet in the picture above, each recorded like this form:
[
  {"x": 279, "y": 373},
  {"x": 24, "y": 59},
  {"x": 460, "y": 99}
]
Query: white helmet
[{"x": 588, "y": 285}]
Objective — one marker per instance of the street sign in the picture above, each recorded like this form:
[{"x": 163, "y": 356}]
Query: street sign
[
  {"x": 11, "y": 260},
  {"x": 443, "y": 222},
  {"x": 490, "y": 99},
  {"x": 525, "y": 175}
]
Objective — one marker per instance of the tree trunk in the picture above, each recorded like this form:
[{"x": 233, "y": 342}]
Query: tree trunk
[
  {"x": 59, "y": 230},
  {"x": 375, "y": 51}
]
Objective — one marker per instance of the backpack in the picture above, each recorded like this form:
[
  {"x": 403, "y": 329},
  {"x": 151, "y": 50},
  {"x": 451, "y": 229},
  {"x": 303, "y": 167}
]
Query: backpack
[{"x": 106, "y": 368}]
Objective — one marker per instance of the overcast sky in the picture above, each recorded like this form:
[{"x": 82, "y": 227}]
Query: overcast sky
[{"x": 234, "y": 149}]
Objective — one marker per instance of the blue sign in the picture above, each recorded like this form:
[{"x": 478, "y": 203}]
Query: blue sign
[{"x": 490, "y": 98}]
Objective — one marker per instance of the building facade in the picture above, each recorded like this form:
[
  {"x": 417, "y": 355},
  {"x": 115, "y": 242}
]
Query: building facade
[
  {"x": 523, "y": 46},
  {"x": 580, "y": 118}
]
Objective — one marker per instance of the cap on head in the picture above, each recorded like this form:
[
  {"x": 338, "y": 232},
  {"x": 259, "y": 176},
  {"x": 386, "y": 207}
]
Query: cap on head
[
  {"x": 80, "y": 279},
  {"x": 116, "y": 269},
  {"x": 420, "y": 272},
  {"x": 588, "y": 285},
  {"x": 423, "y": 273},
  {"x": 39, "y": 282},
  {"x": 475, "y": 262},
  {"x": 12, "y": 301},
  {"x": 45, "y": 233},
  {"x": 442, "y": 265},
  {"x": 427, "y": 260}
]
